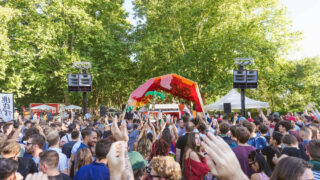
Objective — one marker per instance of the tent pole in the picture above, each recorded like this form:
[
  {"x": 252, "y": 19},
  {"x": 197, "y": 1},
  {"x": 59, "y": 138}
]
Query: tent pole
[{"x": 243, "y": 108}]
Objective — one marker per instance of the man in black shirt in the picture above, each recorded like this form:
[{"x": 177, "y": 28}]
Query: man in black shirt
[
  {"x": 182, "y": 142},
  {"x": 291, "y": 148},
  {"x": 48, "y": 164},
  {"x": 11, "y": 150}
]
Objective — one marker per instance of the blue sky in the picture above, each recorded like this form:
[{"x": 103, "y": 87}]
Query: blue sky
[{"x": 305, "y": 16}]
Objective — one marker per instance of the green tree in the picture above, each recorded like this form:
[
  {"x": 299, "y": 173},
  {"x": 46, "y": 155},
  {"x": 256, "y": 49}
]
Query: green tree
[
  {"x": 46, "y": 37},
  {"x": 200, "y": 39}
]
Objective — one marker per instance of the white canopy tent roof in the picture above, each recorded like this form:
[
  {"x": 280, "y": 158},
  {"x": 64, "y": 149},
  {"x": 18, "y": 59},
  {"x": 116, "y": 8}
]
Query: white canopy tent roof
[
  {"x": 72, "y": 107},
  {"x": 234, "y": 98},
  {"x": 43, "y": 107}
]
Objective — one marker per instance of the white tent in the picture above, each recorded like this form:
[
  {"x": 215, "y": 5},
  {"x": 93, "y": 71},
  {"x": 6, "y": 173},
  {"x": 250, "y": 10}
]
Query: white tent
[
  {"x": 44, "y": 107},
  {"x": 72, "y": 107},
  {"x": 234, "y": 98}
]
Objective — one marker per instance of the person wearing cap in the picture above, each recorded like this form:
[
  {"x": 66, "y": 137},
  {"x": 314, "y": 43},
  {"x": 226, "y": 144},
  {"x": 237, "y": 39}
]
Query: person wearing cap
[
  {"x": 294, "y": 128},
  {"x": 241, "y": 119},
  {"x": 293, "y": 122},
  {"x": 138, "y": 165}
]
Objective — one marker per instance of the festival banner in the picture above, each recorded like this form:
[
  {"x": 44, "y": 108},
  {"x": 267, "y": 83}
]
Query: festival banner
[{"x": 6, "y": 106}]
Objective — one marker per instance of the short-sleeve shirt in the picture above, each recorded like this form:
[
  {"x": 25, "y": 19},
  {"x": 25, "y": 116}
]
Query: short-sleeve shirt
[
  {"x": 94, "y": 171},
  {"x": 133, "y": 137},
  {"x": 242, "y": 153},
  {"x": 26, "y": 166},
  {"x": 75, "y": 147}
]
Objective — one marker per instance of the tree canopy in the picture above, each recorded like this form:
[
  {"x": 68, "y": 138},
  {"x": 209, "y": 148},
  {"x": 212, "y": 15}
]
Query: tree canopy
[{"x": 197, "y": 39}]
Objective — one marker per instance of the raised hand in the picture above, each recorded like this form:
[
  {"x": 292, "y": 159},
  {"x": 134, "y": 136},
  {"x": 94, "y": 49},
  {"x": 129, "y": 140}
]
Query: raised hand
[
  {"x": 118, "y": 161},
  {"x": 268, "y": 112},
  {"x": 124, "y": 131},
  {"x": 120, "y": 135},
  {"x": 221, "y": 160},
  {"x": 249, "y": 114},
  {"x": 116, "y": 158}
]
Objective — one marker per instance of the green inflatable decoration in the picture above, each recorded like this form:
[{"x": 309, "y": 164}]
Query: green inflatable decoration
[{"x": 154, "y": 94}]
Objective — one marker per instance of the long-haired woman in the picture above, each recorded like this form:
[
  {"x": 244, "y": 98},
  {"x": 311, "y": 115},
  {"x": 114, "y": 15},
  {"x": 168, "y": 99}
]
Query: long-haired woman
[
  {"x": 195, "y": 164},
  {"x": 259, "y": 165},
  {"x": 83, "y": 157},
  {"x": 161, "y": 147},
  {"x": 144, "y": 147}
]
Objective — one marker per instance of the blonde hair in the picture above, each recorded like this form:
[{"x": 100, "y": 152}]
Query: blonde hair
[
  {"x": 166, "y": 167},
  {"x": 83, "y": 157},
  {"x": 50, "y": 158},
  {"x": 144, "y": 147},
  {"x": 53, "y": 137},
  {"x": 10, "y": 147}
]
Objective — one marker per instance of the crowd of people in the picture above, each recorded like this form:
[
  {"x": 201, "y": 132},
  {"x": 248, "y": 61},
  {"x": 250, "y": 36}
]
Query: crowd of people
[{"x": 201, "y": 147}]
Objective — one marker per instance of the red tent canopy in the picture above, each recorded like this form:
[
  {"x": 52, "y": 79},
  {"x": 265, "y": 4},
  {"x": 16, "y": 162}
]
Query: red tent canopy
[{"x": 171, "y": 83}]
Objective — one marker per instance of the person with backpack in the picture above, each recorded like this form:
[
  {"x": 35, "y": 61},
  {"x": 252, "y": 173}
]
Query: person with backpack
[
  {"x": 67, "y": 148},
  {"x": 67, "y": 138},
  {"x": 261, "y": 141}
]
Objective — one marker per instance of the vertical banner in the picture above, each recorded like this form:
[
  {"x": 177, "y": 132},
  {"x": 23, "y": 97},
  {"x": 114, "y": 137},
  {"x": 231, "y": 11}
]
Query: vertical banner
[{"x": 6, "y": 107}]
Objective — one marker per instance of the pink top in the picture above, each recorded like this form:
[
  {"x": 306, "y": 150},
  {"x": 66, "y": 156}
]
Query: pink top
[
  {"x": 263, "y": 176},
  {"x": 195, "y": 170}
]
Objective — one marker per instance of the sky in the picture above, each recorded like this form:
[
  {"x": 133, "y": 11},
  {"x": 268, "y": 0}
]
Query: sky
[{"x": 305, "y": 16}]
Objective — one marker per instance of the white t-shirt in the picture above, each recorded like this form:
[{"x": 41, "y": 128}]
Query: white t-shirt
[{"x": 66, "y": 138}]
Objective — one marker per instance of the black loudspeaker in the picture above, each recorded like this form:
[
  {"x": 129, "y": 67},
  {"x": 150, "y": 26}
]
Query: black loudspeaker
[
  {"x": 103, "y": 111},
  {"x": 227, "y": 108}
]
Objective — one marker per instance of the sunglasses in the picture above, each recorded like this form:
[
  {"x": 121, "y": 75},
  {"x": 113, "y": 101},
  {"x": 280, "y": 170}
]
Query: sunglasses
[{"x": 28, "y": 144}]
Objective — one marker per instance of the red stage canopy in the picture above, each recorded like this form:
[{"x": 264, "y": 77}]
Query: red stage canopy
[{"x": 171, "y": 83}]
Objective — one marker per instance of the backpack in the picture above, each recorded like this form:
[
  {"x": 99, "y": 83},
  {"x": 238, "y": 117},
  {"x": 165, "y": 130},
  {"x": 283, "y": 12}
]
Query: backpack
[
  {"x": 261, "y": 142},
  {"x": 67, "y": 148}
]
